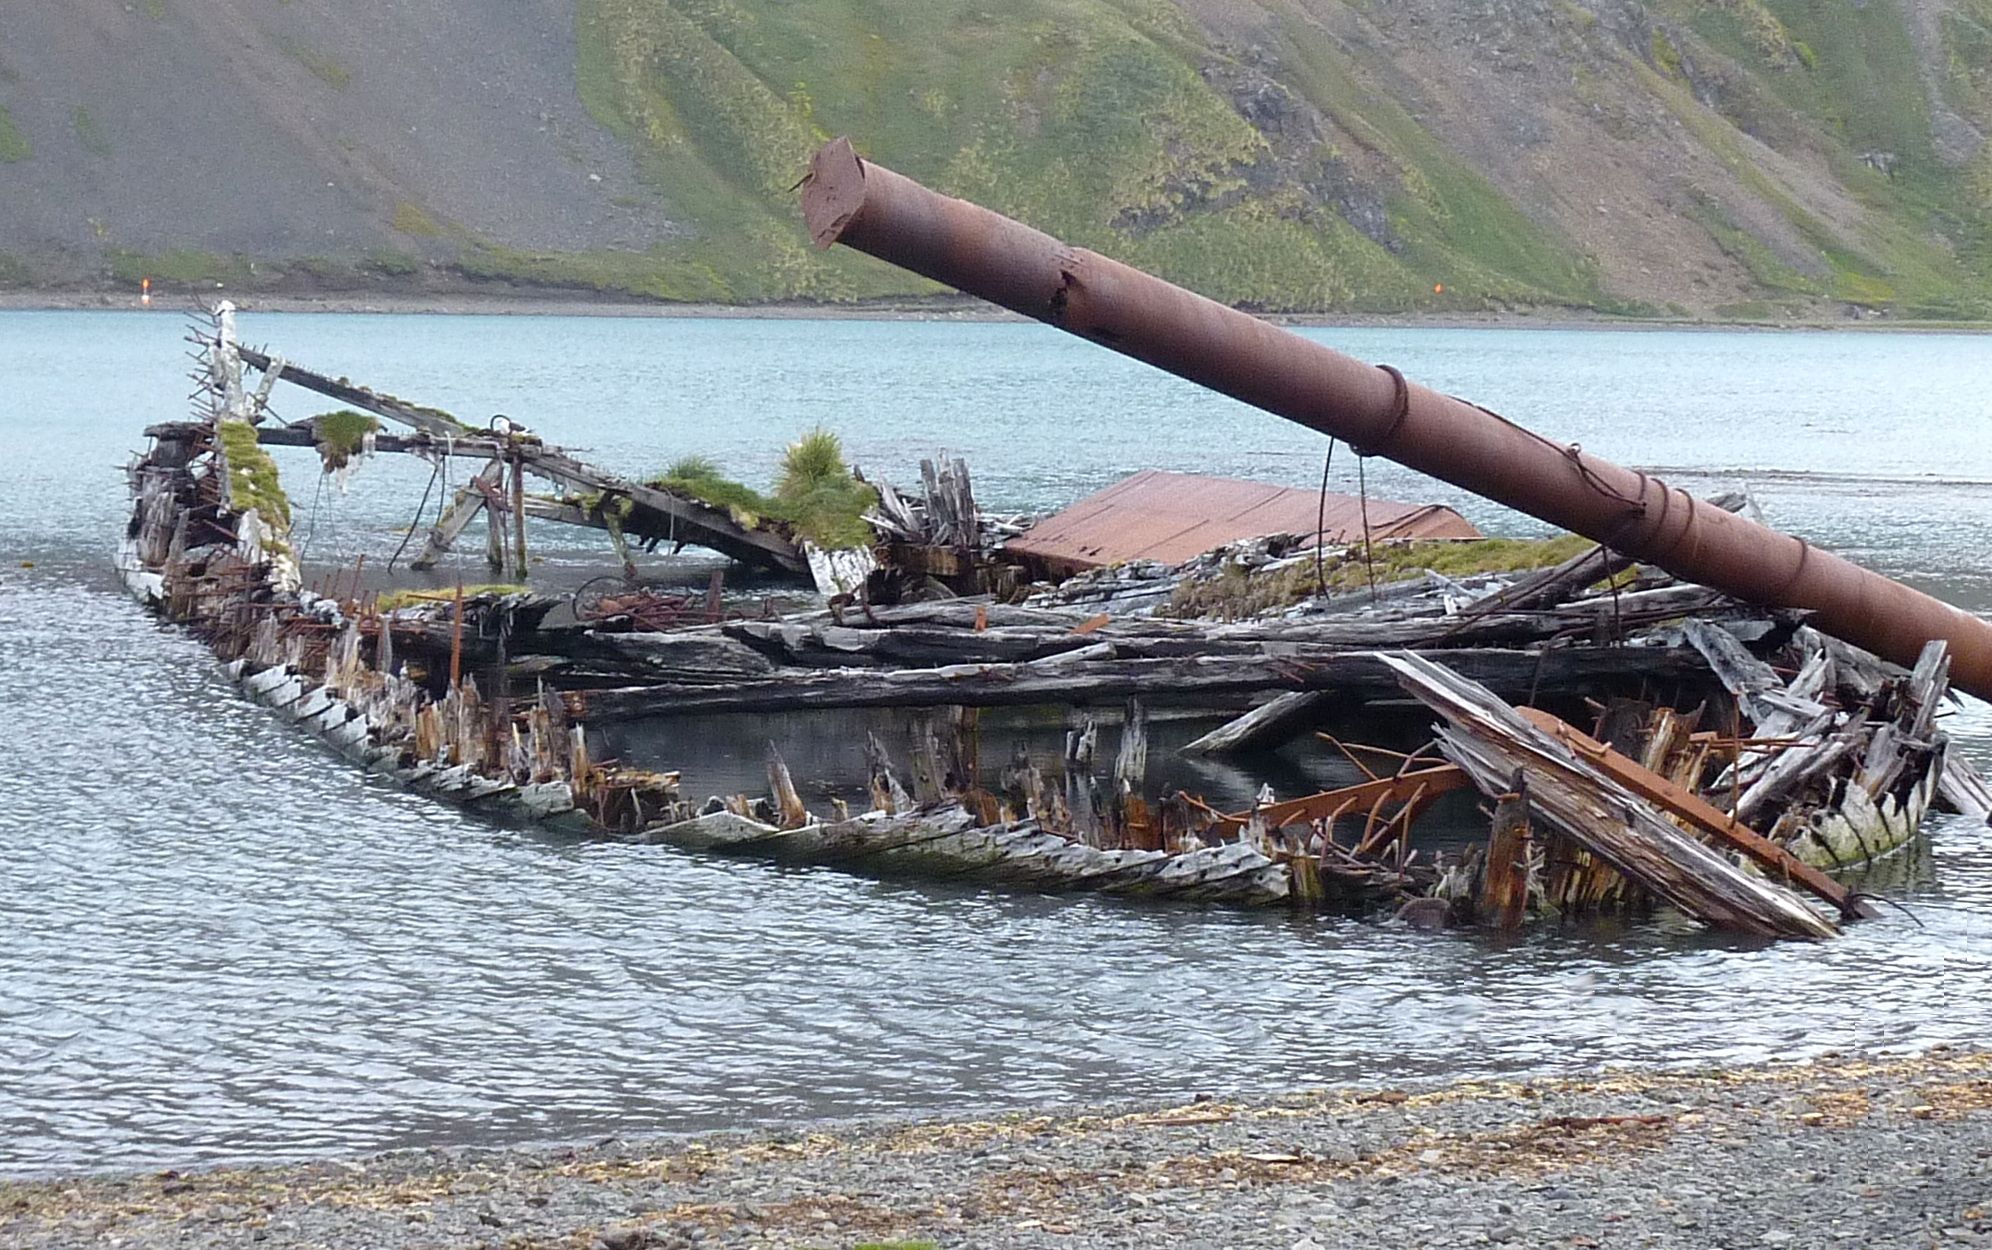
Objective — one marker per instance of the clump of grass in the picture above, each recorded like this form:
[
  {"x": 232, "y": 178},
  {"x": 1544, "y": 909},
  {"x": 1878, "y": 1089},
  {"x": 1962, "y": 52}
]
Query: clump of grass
[
  {"x": 820, "y": 497},
  {"x": 252, "y": 475},
  {"x": 694, "y": 469},
  {"x": 1238, "y": 593},
  {"x": 341, "y": 435},
  {"x": 747, "y": 506},
  {"x": 817, "y": 498},
  {"x": 810, "y": 461}
]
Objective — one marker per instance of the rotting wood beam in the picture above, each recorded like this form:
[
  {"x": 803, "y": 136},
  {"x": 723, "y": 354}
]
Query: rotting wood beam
[
  {"x": 431, "y": 422},
  {"x": 470, "y": 500},
  {"x": 694, "y": 523},
  {"x": 470, "y": 446},
  {"x": 1699, "y": 812},
  {"x": 1363, "y": 674},
  {"x": 1601, "y": 815}
]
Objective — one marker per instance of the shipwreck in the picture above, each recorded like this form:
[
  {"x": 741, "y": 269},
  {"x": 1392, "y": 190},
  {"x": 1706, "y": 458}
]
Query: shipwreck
[{"x": 1673, "y": 706}]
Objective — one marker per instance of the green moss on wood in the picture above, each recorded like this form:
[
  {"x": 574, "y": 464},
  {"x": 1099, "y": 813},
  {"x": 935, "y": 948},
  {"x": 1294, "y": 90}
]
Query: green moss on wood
[
  {"x": 408, "y": 597},
  {"x": 253, "y": 482}
]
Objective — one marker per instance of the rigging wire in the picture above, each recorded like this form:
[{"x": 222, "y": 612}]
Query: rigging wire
[{"x": 414, "y": 523}]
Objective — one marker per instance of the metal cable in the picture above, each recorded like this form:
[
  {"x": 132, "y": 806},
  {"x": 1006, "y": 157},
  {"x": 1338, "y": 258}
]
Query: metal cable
[
  {"x": 416, "y": 522},
  {"x": 1321, "y": 522},
  {"x": 1369, "y": 562}
]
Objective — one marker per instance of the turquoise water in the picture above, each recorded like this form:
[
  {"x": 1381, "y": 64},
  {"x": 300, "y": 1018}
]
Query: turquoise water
[{"x": 216, "y": 942}]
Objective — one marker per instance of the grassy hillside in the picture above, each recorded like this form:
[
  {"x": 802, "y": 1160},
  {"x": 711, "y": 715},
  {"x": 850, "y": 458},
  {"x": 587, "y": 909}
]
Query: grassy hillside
[{"x": 1728, "y": 158}]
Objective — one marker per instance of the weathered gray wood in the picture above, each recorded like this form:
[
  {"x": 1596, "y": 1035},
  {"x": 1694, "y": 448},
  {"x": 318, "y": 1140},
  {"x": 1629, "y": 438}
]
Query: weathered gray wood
[
  {"x": 1493, "y": 743},
  {"x": 696, "y": 523},
  {"x": 1266, "y": 726},
  {"x": 826, "y": 644},
  {"x": 1742, "y": 674},
  {"x": 1793, "y": 768},
  {"x": 470, "y": 500},
  {"x": 411, "y": 415},
  {"x": 1358, "y": 673},
  {"x": 1964, "y": 789}
]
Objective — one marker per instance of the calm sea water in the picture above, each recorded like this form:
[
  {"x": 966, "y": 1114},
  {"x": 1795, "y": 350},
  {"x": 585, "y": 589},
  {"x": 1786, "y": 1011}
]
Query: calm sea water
[{"x": 217, "y": 942}]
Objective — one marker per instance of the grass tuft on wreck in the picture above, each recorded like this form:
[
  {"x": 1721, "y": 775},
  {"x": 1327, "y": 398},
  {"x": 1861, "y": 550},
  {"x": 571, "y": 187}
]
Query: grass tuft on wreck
[
  {"x": 341, "y": 435},
  {"x": 816, "y": 498}
]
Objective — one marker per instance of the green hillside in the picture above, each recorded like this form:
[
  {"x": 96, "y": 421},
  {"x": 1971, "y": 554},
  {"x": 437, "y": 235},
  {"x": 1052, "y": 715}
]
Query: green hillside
[{"x": 1714, "y": 158}]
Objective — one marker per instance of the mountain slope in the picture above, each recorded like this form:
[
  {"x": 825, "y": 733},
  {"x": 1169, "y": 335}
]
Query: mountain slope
[{"x": 1715, "y": 157}]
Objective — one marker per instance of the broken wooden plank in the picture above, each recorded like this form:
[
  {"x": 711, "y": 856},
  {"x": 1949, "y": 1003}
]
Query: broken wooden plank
[
  {"x": 1359, "y": 674},
  {"x": 469, "y": 501},
  {"x": 1266, "y": 726},
  {"x": 1964, "y": 788},
  {"x": 1492, "y": 741},
  {"x": 1699, "y": 812}
]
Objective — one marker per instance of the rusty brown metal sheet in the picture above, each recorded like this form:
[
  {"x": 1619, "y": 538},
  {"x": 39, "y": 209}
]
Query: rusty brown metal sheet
[
  {"x": 872, "y": 209},
  {"x": 1173, "y": 517}
]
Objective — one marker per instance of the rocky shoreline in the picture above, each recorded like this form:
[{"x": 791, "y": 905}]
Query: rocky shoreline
[{"x": 1858, "y": 1151}]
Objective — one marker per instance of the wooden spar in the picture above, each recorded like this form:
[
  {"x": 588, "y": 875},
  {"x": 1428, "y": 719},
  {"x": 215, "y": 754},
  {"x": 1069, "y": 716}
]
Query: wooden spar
[
  {"x": 692, "y": 522},
  {"x": 470, "y": 500},
  {"x": 1267, "y": 725},
  {"x": 1487, "y": 738},
  {"x": 415, "y": 417},
  {"x": 1360, "y": 674},
  {"x": 1700, "y": 813}
]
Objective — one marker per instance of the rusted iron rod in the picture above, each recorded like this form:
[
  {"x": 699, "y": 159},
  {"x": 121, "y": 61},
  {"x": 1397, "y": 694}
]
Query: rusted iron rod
[{"x": 872, "y": 209}]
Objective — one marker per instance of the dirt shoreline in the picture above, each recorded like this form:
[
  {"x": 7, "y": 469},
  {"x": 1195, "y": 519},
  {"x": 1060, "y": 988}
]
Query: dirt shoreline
[
  {"x": 524, "y": 302},
  {"x": 1859, "y": 1151}
]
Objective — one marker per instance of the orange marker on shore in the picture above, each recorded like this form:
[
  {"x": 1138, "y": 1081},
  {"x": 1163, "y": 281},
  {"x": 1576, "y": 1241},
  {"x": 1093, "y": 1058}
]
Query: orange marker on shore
[{"x": 145, "y": 292}]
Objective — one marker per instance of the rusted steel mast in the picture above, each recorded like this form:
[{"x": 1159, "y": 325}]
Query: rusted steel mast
[{"x": 870, "y": 208}]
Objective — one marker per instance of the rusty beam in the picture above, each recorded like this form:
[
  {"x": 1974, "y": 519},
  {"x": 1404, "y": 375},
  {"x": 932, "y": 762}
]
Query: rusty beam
[
  {"x": 1375, "y": 409},
  {"x": 1403, "y": 789}
]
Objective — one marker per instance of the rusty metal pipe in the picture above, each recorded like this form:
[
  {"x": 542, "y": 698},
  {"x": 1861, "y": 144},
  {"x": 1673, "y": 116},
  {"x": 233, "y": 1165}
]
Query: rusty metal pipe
[{"x": 865, "y": 206}]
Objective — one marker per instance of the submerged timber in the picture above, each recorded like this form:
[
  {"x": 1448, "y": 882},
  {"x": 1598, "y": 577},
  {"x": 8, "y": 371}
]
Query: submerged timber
[{"x": 1730, "y": 754}]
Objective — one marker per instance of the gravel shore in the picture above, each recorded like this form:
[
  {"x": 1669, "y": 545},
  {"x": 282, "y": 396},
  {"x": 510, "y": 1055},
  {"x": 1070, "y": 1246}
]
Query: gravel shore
[{"x": 1845, "y": 1151}]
